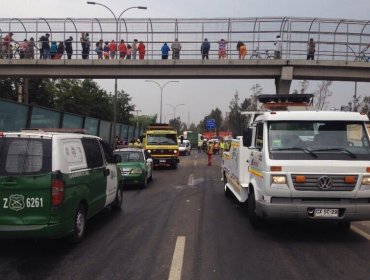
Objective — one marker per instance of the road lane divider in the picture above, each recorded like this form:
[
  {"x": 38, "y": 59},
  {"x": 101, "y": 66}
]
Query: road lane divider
[
  {"x": 177, "y": 259},
  {"x": 360, "y": 232}
]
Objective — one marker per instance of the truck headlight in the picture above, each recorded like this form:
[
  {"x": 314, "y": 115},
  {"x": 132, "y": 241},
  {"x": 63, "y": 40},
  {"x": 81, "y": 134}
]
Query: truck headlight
[
  {"x": 278, "y": 179},
  {"x": 365, "y": 180}
]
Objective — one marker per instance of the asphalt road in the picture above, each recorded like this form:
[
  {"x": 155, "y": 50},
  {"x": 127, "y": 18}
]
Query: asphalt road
[{"x": 183, "y": 226}]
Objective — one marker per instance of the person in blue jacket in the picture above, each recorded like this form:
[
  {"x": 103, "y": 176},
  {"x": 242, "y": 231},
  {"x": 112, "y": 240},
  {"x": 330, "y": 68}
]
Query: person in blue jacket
[
  {"x": 204, "y": 49},
  {"x": 165, "y": 51},
  {"x": 53, "y": 49}
]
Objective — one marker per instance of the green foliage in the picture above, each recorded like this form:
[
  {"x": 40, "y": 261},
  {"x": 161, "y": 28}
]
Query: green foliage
[
  {"x": 8, "y": 89},
  {"x": 143, "y": 120},
  {"x": 83, "y": 97}
]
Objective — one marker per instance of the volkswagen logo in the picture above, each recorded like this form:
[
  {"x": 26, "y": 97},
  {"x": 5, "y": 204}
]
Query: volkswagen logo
[{"x": 325, "y": 183}]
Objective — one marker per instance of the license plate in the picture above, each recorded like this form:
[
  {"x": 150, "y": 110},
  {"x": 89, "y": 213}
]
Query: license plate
[
  {"x": 326, "y": 212},
  {"x": 162, "y": 160}
]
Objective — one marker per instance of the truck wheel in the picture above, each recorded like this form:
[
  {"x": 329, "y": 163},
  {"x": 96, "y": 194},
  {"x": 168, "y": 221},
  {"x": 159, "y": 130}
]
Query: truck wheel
[
  {"x": 79, "y": 224},
  {"x": 174, "y": 165},
  {"x": 117, "y": 203},
  {"x": 254, "y": 220},
  {"x": 227, "y": 191}
]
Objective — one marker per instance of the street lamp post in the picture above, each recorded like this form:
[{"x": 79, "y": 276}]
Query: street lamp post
[
  {"x": 174, "y": 109},
  {"x": 161, "y": 87},
  {"x": 115, "y": 80}
]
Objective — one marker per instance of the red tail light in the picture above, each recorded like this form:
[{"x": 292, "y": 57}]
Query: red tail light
[{"x": 57, "y": 192}]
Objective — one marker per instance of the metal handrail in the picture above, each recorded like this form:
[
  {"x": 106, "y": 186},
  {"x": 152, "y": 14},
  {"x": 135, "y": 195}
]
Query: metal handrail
[{"x": 332, "y": 36}]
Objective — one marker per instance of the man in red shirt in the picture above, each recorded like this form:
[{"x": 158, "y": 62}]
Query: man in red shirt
[{"x": 112, "y": 49}]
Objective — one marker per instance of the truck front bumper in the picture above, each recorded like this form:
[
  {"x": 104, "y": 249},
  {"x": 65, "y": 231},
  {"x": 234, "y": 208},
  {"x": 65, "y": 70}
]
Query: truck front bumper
[
  {"x": 165, "y": 161},
  {"x": 300, "y": 209}
]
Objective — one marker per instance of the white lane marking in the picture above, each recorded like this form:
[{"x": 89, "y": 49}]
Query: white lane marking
[
  {"x": 191, "y": 180},
  {"x": 195, "y": 163},
  {"x": 177, "y": 259},
  {"x": 360, "y": 232}
]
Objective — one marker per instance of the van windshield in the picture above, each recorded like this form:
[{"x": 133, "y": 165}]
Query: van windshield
[
  {"x": 24, "y": 156},
  {"x": 318, "y": 140}
]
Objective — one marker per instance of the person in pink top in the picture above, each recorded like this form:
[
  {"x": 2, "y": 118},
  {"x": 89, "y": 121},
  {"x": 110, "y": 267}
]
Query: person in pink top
[
  {"x": 222, "y": 49},
  {"x": 128, "y": 53}
]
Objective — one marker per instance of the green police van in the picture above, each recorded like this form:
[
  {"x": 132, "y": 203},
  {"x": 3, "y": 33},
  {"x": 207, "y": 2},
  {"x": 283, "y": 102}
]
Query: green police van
[{"x": 52, "y": 183}]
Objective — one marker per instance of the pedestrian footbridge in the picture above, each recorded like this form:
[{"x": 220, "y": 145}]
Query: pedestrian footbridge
[{"x": 340, "y": 53}]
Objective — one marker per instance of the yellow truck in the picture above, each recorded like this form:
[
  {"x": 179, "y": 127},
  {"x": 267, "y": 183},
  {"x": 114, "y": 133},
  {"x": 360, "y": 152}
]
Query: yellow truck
[{"x": 160, "y": 142}]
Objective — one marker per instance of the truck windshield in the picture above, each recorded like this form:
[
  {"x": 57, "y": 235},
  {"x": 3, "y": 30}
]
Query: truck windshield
[
  {"x": 161, "y": 139},
  {"x": 318, "y": 140}
]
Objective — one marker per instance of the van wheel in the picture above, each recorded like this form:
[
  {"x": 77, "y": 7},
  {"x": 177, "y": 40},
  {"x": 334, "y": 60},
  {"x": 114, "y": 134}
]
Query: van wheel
[
  {"x": 79, "y": 224},
  {"x": 117, "y": 203},
  {"x": 254, "y": 220}
]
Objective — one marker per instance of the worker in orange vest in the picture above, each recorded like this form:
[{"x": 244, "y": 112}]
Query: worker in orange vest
[{"x": 210, "y": 152}]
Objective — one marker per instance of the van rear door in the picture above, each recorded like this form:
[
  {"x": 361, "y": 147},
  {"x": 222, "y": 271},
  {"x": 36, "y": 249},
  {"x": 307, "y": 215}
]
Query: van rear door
[{"x": 25, "y": 180}]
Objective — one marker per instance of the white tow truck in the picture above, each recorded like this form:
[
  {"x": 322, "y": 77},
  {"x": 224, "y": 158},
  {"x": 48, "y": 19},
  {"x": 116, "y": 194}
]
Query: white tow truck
[{"x": 302, "y": 164}]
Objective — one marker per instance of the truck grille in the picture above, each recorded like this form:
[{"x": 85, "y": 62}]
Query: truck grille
[
  {"x": 319, "y": 182},
  {"x": 162, "y": 152}
]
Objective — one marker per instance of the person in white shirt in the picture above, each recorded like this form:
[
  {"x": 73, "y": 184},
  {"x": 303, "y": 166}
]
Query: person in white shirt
[{"x": 278, "y": 47}]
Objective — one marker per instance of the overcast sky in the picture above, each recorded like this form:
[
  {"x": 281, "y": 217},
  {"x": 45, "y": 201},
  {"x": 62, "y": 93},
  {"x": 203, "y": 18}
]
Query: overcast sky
[{"x": 199, "y": 96}]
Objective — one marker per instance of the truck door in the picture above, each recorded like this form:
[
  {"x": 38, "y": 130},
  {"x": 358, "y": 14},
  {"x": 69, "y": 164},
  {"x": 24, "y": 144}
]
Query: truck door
[{"x": 256, "y": 154}]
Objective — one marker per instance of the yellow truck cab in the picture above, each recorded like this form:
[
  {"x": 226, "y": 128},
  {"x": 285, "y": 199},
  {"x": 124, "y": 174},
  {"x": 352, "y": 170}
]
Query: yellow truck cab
[{"x": 160, "y": 142}]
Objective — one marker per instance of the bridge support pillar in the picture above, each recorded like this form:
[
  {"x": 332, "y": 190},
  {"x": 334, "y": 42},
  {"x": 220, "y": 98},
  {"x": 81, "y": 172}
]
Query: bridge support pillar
[{"x": 283, "y": 83}]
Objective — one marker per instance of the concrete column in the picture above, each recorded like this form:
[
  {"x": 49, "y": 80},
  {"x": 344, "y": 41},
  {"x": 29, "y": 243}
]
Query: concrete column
[{"x": 283, "y": 83}]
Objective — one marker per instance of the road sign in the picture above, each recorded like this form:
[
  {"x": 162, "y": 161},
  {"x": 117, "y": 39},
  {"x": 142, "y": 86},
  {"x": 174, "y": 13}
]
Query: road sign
[{"x": 211, "y": 124}]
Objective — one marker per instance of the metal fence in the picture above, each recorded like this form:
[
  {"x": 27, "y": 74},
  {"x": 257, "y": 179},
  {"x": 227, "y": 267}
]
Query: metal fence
[
  {"x": 336, "y": 39},
  {"x": 16, "y": 116}
]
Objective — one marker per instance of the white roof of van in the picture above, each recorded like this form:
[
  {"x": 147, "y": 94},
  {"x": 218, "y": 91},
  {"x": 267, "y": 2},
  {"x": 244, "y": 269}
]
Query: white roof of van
[
  {"x": 37, "y": 134},
  {"x": 312, "y": 116}
]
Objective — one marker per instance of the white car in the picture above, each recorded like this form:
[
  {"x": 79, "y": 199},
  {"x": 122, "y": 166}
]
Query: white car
[{"x": 184, "y": 147}]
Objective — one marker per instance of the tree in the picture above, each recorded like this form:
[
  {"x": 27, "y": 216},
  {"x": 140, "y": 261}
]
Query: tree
[
  {"x": 176, "y": 124},
  {"x": 8, "y": 89},
  {"x": 304, "y": 86},
  {"x": 193, "y": 128},
  {"x": 322, "y": 93},
  {"x": 124, "y": 108},
  {"x": 235, "y": 116},
  {"x": 144, "y": 120},
  {"x": 82, "y": 97}
]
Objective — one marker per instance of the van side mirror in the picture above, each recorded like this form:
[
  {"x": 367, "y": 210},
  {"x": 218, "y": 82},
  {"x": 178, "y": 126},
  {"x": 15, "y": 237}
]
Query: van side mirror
[
  {"x": 247, "y": 137},
  {"x": 117, "y": 158}
]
